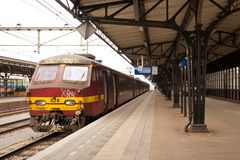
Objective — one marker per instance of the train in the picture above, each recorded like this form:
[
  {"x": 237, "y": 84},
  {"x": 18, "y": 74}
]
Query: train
[
  {"x": 9, "y": 86},
  {"x": 67, "y": 90}
]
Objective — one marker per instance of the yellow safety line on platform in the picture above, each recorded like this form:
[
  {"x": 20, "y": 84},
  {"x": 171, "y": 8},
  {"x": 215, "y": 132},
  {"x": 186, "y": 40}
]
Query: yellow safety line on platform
[{"x": 115, "y": 147}]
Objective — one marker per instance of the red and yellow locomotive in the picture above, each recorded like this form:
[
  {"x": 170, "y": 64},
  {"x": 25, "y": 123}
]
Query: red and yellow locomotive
[{"x": 67, "y": 89}]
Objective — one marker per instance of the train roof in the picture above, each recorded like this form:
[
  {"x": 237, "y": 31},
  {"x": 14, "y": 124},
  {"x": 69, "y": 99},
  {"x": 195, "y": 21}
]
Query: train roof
[
  {"x": 76, "y": 59},
  {"x": 67, "y": 59}
]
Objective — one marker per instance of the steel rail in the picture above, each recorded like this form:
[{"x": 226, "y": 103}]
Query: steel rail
[
  {"x": 15, "y": 126},
  {"x": 12, "y": 112},
  {"x": 22, "y": 148}
]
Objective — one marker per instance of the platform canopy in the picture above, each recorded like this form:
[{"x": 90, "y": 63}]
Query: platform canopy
[
  {"x": 14, "y": 66},
  {"x": 155, "y": 29}
]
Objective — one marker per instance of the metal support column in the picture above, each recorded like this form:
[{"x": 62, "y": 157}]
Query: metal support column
[
  {"x": 38, "y": 42},
  {"x": 169, "y": 86},
  {"x": 222, "y": 83},
  {"x": 228, "y": 83},
  {"x": 176, "y": 79},
  {"x": 198, "y": 81},
  {"x": 5, "y": 82},
  {"x": 237, "y": 84},
  {"x": 238, "y": 73},
  {"x": 234, "y": 83},
  {"x": 185, "y": 91},
  {"x": 225, "y": 83},
  {"x": 181, "y": 89},
  {"x": 168, "y": 94}
]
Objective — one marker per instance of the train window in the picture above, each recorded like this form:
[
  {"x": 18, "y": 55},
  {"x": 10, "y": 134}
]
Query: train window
[
  {"x": 97, "y": 74},
  {"x": 46, "y": 73},
  {"x": 75, "y": 73}
]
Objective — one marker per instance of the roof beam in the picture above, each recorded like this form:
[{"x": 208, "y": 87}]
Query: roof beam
[
  {"x": 148, "y": 11},
  {"x": 132, "y": 50},
  {"x": 229, "y": 9},
  {"x": 132, "y": 22},
  {"x": 218, "y": 5},
  {"x": 139, "y": 15},
  {"x": 102, "y": 5},
  {"x": 214, "y": 55},
  {"x": 185, "y": 23},
  {"x": 145, "y": 29},
  {"x": 223, "y": 41},
  {"x": 152, "y": 44},
  {"x": 120, "y": 10},
  {"x": 100, "y": 33}
]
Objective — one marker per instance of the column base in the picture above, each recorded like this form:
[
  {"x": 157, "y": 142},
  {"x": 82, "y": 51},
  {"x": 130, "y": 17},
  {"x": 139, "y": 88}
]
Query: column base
[
  {"x": 176, "y": 105},
  {"x": 198, "y": 128}
]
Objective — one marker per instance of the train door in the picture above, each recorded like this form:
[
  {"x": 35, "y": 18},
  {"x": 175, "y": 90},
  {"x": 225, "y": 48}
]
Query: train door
[
  {"x": 105, "y": 84},
  {"x": 94, "y": 80},
  {"x": 114, "y": 91}
]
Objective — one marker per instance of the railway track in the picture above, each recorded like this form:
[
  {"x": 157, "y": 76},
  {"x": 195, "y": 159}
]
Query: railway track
[
  {"x": 28, "y": 150},
  {"x": 11, "y": 126},
  {"x": 13, "y": 112}
]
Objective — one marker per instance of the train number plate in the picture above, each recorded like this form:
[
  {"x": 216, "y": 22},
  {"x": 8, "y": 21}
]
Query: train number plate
[{"x": 54, "y": 100}]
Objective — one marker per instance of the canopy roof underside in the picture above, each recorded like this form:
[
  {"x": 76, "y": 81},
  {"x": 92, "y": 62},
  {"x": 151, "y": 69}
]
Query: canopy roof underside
[{"x": 148, "y": 27}]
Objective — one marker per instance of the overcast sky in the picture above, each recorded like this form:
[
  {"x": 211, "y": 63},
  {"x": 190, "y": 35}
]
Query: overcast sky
[{"x": 47, "y": 13}]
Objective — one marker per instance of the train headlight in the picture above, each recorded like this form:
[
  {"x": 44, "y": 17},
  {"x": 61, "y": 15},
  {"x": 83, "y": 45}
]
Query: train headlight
[
  {"x": 70, "y": 102},
  {"x": 40, "y": 102}
]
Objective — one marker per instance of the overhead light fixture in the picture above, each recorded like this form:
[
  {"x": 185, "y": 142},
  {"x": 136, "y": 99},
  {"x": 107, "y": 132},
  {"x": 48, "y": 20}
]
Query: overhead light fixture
[
  {"x": 86, "y": 29},
  {"x": 19, "y": 26}
]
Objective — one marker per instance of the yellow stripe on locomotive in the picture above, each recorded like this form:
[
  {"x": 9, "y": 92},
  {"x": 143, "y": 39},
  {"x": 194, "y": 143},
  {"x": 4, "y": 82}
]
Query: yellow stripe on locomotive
[{"x": 62, "y": 103}]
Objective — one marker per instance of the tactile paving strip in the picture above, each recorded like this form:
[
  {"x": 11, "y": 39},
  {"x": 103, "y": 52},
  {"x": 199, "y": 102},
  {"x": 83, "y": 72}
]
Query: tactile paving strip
[{"x": 116, "y": 145}]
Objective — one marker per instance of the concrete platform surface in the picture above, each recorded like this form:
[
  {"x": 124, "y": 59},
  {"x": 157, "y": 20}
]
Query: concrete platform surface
[
  {"x": 149, "y": 128},
  {"x": 11, "y": 99}
]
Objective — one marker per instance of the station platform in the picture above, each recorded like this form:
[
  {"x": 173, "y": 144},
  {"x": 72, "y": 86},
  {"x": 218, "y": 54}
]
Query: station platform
[
  {"x": 11, "y": 99},
  {"x": 149, "y": 128}
]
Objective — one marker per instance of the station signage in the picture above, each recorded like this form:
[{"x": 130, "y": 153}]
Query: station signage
[
  {"x": 154, "y": 70},
  {"x": 183, "y": 63},
  {"x": 146, "y": 70}
]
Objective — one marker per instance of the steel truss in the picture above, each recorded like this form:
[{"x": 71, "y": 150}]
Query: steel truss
[{"x": 195, "y": 42}]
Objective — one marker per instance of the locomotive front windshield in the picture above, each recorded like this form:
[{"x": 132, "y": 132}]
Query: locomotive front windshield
[
  {"x": 46, "y": 73},
  {"x": 75, "y": 73}
]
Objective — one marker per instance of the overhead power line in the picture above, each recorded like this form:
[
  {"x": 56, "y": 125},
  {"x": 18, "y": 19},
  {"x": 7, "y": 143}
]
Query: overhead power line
[
  {"x": 60, "y": 13},
  {"x": 50, "y": 10},
  {"x": 14, "y": 35}
]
